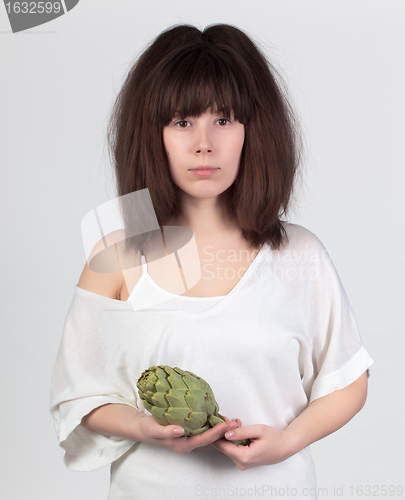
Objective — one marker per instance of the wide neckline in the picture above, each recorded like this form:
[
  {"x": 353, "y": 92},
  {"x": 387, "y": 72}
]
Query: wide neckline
[
  {"x": 126, "y": 305},
  {"x": 185, "y": 297},
  {"x": 220, "y": 304},
  {"x": 146, "y": 275},
  {"x": 176, "y": 295}
]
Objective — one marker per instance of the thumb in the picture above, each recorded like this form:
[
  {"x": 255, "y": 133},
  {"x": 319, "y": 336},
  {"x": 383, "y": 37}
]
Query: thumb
[
  {"x": 173, "y": 431},
  {"x": 159, "y": 431}
]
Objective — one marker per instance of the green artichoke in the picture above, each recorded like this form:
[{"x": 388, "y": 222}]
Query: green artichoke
[{"x": 178, "y": 397}]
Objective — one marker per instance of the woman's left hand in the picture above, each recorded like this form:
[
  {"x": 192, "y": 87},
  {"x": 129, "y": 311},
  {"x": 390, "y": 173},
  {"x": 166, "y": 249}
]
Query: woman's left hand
[
  {"x": 320, "y": 418},
  {"x": 269, "y": 445}
]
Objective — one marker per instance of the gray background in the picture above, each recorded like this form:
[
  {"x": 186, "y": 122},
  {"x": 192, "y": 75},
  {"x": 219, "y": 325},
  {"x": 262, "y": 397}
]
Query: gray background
[{"x": 343, "y": 61}]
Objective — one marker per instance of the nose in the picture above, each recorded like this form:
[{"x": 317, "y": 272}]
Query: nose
[{"x": 203, "y": 142}]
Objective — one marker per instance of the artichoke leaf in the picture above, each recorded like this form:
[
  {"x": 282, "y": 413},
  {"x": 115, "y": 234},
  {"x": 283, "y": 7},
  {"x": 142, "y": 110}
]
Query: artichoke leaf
[
  {"x": 206, "y": 386},
  {"x": 147, "y": 396},
  {"x": 214, "y": 420},
  {"x": 147, "y": 381},
  {"x": 192, "y": 383},
  {"x": 147, "y": 406},
  {"x": 212, "y": 406},
  {"x": 160, "y": 371},
  {"x": 173, "y": 379},
  {"x": 159, "y": 400},
  {"x": 198, "y": 431},
  {"x": 159, "y": 414},
  {"x": 177, "y": 398},
  {"x": 197, "y": 401},
  {"x": 177, "y": 416},
  {"x": 195, "y": 420},
  {"x": 162, "y": 385}
]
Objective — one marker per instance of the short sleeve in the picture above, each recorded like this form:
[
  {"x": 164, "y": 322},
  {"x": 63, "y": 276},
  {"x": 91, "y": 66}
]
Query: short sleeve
[
  {"x": 87, "y": 374},
  {"x": 336, "y": 355}
]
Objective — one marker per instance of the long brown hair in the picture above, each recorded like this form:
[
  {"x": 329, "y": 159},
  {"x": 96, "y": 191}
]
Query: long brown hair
[{"x": 190, "y": 70}]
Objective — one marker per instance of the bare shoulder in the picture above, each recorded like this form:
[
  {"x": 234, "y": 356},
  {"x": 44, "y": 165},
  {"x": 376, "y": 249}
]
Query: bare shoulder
[{"x": 104, "y": 276}]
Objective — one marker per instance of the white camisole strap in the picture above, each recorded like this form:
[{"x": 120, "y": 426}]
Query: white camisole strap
[{"x": 144, "y": 265}]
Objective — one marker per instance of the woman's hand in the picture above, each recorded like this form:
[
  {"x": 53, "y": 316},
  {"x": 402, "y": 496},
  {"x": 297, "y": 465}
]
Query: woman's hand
[
  {"x": 320, "y": 418},
  {"x": 171, "y": 436},
  {"x": 269, "y": 445},
  {"x": 128, "y": 422}
]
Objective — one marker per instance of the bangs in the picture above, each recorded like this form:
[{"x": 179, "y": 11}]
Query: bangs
[{"x": 198, "y": 81}]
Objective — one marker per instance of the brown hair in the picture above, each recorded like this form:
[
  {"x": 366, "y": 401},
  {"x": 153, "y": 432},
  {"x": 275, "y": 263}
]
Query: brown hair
[{"x": 190, "y": 70}]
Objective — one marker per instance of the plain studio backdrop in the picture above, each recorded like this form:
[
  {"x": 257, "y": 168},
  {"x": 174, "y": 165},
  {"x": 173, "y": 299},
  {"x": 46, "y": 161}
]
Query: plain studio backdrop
[{"x": 343, "y": 62}]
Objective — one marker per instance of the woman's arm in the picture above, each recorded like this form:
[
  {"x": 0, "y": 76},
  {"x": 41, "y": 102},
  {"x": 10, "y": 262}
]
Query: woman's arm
[
  {"x": 322, "y": 417},
  {"x": 328, "y": 414},
  {"x": 115, "y": 419},
  {"x": 128, "y": 422}
]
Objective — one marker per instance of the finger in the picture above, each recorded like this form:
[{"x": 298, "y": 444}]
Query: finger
[
  {"x": 175, "y": 431},
  {"x": 209, "y": 436},
  {"x": 237, "y": 420},
  {"x": 248, "y": 432},
  {"x": 223, "y": 445},
  {"x": 232, "y": 424},
  {"x": 158, "y": 431},
  {"x": 230, "y": 449},
  {"x": 215, "y": 432}
]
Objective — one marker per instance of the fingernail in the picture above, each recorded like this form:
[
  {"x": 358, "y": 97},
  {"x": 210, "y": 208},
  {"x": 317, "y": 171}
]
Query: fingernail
[
  {"x": 178, "y": 432},
  {"x": 229, "y": 434}
]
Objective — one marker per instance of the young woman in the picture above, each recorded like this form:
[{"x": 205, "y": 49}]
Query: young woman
[{"x": 203, "y": 125}]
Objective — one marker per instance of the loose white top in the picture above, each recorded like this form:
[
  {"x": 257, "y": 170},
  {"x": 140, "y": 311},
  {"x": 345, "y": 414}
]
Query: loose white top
[{"x": 282, "y": 337}]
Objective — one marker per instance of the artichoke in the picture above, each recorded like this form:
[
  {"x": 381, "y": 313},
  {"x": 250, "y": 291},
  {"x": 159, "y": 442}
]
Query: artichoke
[{"x": 178, "y": 397}]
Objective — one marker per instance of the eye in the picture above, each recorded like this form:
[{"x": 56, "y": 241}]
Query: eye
[
  {"x": 182, "y": 123},
  {"x": 223, "y": 120}
]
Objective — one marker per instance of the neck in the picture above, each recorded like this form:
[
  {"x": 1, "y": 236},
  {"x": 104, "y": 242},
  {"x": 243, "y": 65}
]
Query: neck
[{"x": 205, "y": 216}]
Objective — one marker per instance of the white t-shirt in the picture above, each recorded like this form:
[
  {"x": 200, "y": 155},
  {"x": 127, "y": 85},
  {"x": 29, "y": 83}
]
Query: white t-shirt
[{"x": 282, "y": 337}]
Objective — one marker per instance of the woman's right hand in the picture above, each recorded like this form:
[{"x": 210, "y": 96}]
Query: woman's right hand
[
  {"x": 171, "y": 436},
  {"x": 128, "y": 422}
]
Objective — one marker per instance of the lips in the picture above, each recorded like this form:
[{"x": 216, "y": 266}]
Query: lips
[
  {"x": 204, "y": 171},
  {"x": 204, "y": 167}
]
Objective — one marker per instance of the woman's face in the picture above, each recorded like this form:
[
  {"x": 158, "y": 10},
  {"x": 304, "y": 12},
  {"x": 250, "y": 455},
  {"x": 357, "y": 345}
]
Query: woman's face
[{"x": 209, "y": 140}]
